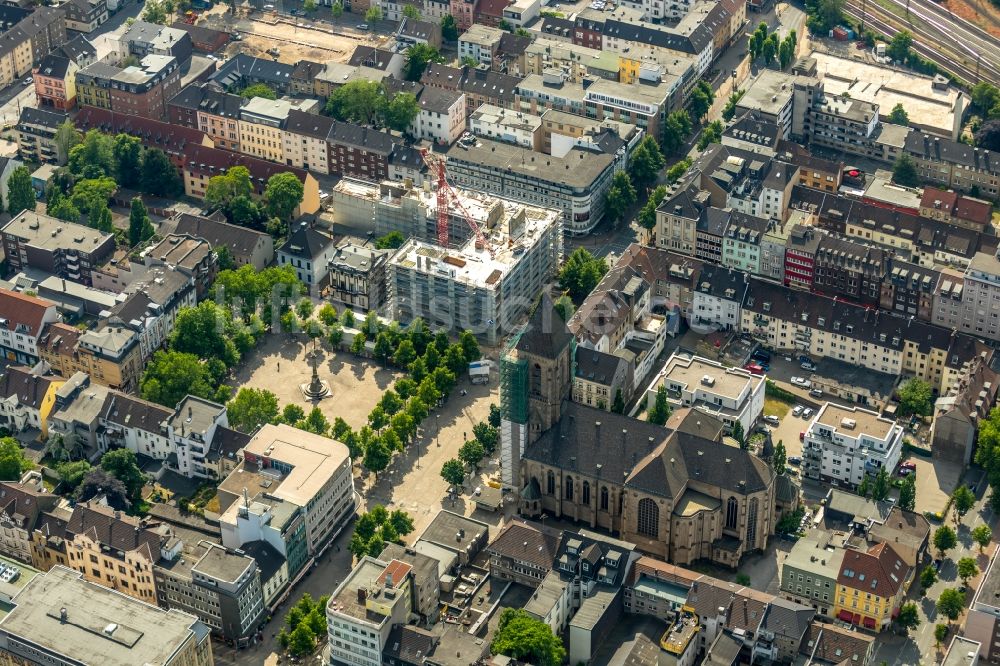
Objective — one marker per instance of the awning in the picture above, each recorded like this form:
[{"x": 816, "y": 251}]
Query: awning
[
  {"x": 869, "y": 622},
  {"x": 846, "y": 615}
]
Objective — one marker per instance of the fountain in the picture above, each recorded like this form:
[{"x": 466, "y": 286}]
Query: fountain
[{"x": 317, "y": 388}]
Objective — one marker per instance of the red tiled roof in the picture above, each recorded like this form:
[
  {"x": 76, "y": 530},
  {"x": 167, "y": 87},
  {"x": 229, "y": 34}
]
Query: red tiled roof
[
  {"x": 879, "y": 571},
  {"x": 946, "y": 198},
  {"x": 973, "y": 210},
  {"x": 17, "y": 309},
  {"x": 59, "y": 338},
  {"x": 153, "y": 133},
  {"x": 213, "y": 162},
  {"x": 493, "y": 8}
]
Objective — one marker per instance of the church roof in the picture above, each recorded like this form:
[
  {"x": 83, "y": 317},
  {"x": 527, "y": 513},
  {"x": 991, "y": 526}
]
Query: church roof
[{"x": 546, "y": 334}]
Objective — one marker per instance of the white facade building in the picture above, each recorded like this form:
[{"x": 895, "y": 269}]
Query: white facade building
[
  {"x": 843, "y": 444},
  {"x": 729, "y": 394},
  {"x": 442, "y": 116}
]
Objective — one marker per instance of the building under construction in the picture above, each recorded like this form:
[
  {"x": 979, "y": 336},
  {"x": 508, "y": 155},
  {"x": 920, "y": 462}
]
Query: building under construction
[{"x": 482, "y": 284}]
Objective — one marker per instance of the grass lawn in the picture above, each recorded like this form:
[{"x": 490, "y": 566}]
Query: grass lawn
[{"x": 777, "y": 408}]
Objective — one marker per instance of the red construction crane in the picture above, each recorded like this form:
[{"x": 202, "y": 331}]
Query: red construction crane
[{"x": 445, "y": 196}]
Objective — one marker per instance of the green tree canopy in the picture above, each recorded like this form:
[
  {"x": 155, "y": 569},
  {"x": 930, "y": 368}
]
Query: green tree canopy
[
  {"x": 700, "y": 100},
  {"x": 951, "y": 603},
  {"x": 418, "y": 57},
  {"x": 904, "y": 171},
  {"x": 647, "y": 216},
  {"x": 909, "y": 616},
  {"x": 391, "y": 241},
  {"x": 252, "y": 408},
  {"x": 899, "y": 116},
  {"x": 93, "y": 157},
  {"x": 171, "y": 375},
  {"x": 283, "y": 194},
  {"x": 928, "y": 577},
  {"x": 401, "y": 111},
  {"x": 72, "y": 473},
  {"x": 20, "y": 191},
  {"x": 359, "y": 101},
  {"x": 661, "y": 408},
  {"x": 453, "y": 471},
  {"x": 779, "y": 458},
  {"x": 647, "y": 161},
  {"x": 967, "y": 568},
  {"x": 581, "y": 273},
  {"x": 944, "y": 539},
  {"x": 521, "y": 636},
  {"x": 908, "y": 493},
  {"x": 940, "y": 633},
  {"x": 472, "y": 453},
  {"x": 203, "y": 331},
  {"x": 122, "y": 464},
  {"x": 963, "y": 499},
  {"x": 159, "y": 176},
  {"x": 619, "y": 197},
  {"x": 12, "y": 461},
  {"x": 139, "y": 227},
  {"x": 982, "y": 535},
  {"x": 449, "y": 28},
  {"x": 258, "y": 90},
  {"x": 127, "y": 152},
  {"x": 915, "y": 397}
]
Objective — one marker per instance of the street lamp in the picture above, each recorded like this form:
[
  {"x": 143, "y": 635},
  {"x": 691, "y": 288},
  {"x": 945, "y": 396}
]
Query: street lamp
[{"x": 437, "y": 430}]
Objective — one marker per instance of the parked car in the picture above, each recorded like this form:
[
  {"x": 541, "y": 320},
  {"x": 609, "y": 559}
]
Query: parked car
[
  {"x": 800, "y": 382},
  {"x": 816, "y": 393},
  {"x": 762, "y": 355},
  {"x": 362, "y": 26},
  {"x": 807, "y": 412},
  {"x": 797, "y": 410},
  {"x": 804, "y": 359},
  {"x": 808, "y": 365},
  {"x": 904, "y": 472},
  {"x": 771, "y": 419},
  {"x": 909, "y": 465},
  {"x": 754, "y": 368},
  {"x": 802, "y": 436},
  {"x": 794, "y": 460}
]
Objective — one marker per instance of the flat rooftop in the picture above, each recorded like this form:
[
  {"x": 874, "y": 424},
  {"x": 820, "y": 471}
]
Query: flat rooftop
[
  {"x": 495, "y": 115},
  {"x": 14, "y": 577},
  {"x": 101, "y": 626},
  {"x": 817, "y": 553},
  {"x": 368, "y": 580},
  {"x": 50, "y": 233},
  {"x": 693, "y": 502},
  {"x": 866, "y": 422},
  {"x": 927, "y": 106},
  {"x": 960, "y": 650},
  {"x": 770, "y": 93},
  {"x": 446, "y": 527},
  {"x": 578, "y": 169},
  {"x": 223, "y": 564},
  {"x": 313, "y": 460},
  {"x": 690, "y": 371}
]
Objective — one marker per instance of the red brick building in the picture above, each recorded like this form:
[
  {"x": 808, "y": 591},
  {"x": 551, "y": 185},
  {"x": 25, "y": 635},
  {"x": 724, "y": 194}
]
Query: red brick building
[{"x": 176, "y": 141}]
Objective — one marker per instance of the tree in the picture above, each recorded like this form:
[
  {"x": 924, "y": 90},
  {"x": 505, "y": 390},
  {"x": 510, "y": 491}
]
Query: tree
[
  {"x": 159, "y": 176},
  {"x": 12, "y": 461},
  {"x": 155, "y": 12},
  {"x": 470, "y": 346},
  {"x": 292, "y": 414},
  {"x": 471, "y": 453},
  {"x": 962, "y": 499},
  {"x": 203, "y": 331},
  {"x": 377, "y": 456},
  {"x": 619, "y": 197},
  {"x": 581, "y": 273},
  {"x": 327, "y": 314},
  {"x": 618, "y": 404},
  {"x": 899, "y": 116},
  {"x": 675, "y": 130},
  {"x": 283, "y": 194},
  {"x": 967, "y": 569},
  {"x": 985, "y": 96},
  {"x": 314, "y": 422},
  {"x": 915, "y": 397},
  {"x": 93, "y": 193},
  {"x": 739, "y": 434},
  {"x": 944, "y": 539},
  {"x": 661, "y": 408},
  {"x": 72, "y": 473},
  {"x": 359, "y": 101},
  {"x": 392, "y": 240},
  {"x": 453, "y": 471},
  {"x": 449, "y": 28},
  {"x": 647, "y": 216},
  {"x": 786, "y": 52},
  {"x": 400, "y": 113},
  {"x": 647, "y": 161},
  {"x": 982, "y": 535},
  {"x": 904, "y": 171},
  {"x": 373, "y": 16},
  {"x": 908, "y": 493},
  {"x": 675, "y": 172},
  {"x": 98, "y": 481},
  {"x": 700, "y": 100},
  {"x": 172, "y": 375},
  {"x": 418, "y": 57},
  {"x": 940, "y": 633},
  {"x": 252, "y": 408},
  {"x": 487, "y": 435},
  {"x": 908, "y": 617},
  {"x": 127, "y": 152},
  {"x": 521, "y": 636},
  {"x": 988, "y": 452},
  {"x": 767, "y": 50},
  {"x": 66, "y": 138},
  {"x": 63, "y": 209},
  {"x": 93, "y": 157},
  {"x": 122, "y": 464},
  {"x": 20, "y": 191},
  {"x": 564, "y": 306},
  {"x": 409, "y": 11},
  {"x": 337, "y": 9},
  {"x": 495, "y": 416},
  {"x": 258, "y": 90},
  {"x": 711, "y": 134},
  {"x": 301, "y": 641},
  {"x": 779, "y": 458},
  {"x": 881, "y": 486},
  {"x": 139, "y": 227},
  {"x": 951, "y": 603},
  {"x": 928, "y": 577},
  {"x": 824, "y": 14},
  {"x": 61, "y": 447},
  {"x": 900, "y": 45},
  {"x": 100, "y": 218}
]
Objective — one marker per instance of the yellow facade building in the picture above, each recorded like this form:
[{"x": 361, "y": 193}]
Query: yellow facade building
[{"x": 870, "y": 587}]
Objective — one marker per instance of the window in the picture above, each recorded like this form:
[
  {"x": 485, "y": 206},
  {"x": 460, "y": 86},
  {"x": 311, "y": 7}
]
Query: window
[
  {"x": 551, "y": 484},
  {"x": 604, "y": 498},
  {"x": 586, "y": 493},
  {"x": 752, "y": 523},
  {"x": 568, "y": 494},
  {"x": 732, "y": 513},
  {"x": 648, "y": 523}
]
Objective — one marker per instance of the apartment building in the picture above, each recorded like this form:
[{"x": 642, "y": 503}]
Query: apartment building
[
  {"x": 55, "y": 82},
  {"x": 28, "y": 36},
  {"x": 310, "y": 472},
  {"x": 845, "y": 445},
  {"x": 871, "y": 586},
  {"x": 954, "y": 165},
  {"x": 110, "y": 358},
  {"x": 105, "y": 546},
  {"x": 274, "y": 528},
  {"x": 36, "y": 135},
  {"x": 219, "y": 586},
  {"x": 810, "y": 571},
  {"x": 244, "y": 246},
  {"x": 480, "y": 42},
  {"x": 305, "y": 141},
  {"x": 204, "y": 162},
  {"x": 730, "y": 394},
  {"x": 209, "y": 109},
  {"x": 21, "y": 505},
  {"x": 28, "y": 398},
  {"x": 357, "y": 277},
  {"x": 718, "y": 297},
  {"x": 481, "y": 85},
  {"x": 143, "y": 38},
  {"x": 953, "y": 208},
  {"x": 844, "y": 267},
  {"x": 85, "y": 15},
  {"x": 522, "y": 129},
  {"x": 175, "y": 140},
  {"x": 602, "y": 380},
  {"x": 467, "y": 288},
  {"x": 308, "y": 251},
  {"x": 523, "y": 552},
  {"x": 137, "y": 90},
  {"x": 374, "y": 597},
  {"x": 909, "y": 289},
  {"x": 188, "y": 255},
  {"x": 442, "y": 115},
  {"x": 261, "y": 126},
  {"x": 24, "y": 319},
  {"x": 245, "y": 70},
  {"x": 91, "y": 619},
  {"x": 67, "y": 250}
]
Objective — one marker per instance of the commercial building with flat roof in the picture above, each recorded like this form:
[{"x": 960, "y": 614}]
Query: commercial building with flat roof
[
  {"x": 64, "y": 249},
  {"x": 60, "y": 619},
  {"x": 482, "y": 289},
  {"x": 309, "y": 471},
  {"x": 730, "y": 394}
]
